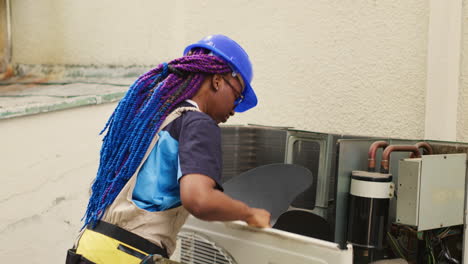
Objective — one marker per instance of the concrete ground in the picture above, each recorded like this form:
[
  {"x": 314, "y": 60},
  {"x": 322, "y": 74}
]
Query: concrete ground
[{"x": 36, "y": 89}]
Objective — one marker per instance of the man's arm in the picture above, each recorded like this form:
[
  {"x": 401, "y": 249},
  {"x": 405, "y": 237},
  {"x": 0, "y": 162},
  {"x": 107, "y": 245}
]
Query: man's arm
[{"x": 202, "y": 200}]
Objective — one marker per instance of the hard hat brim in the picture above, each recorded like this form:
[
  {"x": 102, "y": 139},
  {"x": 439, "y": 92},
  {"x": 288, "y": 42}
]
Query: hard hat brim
[{"x": 250, "y": 100}]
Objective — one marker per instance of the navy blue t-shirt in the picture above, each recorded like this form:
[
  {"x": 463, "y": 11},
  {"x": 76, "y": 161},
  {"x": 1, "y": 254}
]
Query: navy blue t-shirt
[{"x": 189, "y": 144}]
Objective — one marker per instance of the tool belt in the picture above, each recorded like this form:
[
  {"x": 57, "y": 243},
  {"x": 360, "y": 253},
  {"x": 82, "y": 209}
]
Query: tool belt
[{"x": 108, "y": 243}]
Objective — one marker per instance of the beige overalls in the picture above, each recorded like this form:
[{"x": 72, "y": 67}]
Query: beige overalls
[{"x": 160, "y": 228}]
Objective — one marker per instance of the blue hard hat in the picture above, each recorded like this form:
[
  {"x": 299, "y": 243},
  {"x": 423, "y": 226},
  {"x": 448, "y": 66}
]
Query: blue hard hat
[{"x": 237, "y": 58}]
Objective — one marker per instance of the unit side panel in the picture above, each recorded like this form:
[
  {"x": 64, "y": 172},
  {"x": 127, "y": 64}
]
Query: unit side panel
[
  {"x": 408, "y": 189},
  {"x": 442, "y": 191}
]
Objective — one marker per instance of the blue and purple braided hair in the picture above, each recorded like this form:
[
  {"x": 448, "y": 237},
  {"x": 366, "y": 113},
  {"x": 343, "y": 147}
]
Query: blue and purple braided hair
[{"x": 137, "y": 118}]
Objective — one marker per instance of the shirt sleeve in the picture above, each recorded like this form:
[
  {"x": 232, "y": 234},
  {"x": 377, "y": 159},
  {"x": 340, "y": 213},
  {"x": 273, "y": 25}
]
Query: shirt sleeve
[{"x": 200, "y": 149}]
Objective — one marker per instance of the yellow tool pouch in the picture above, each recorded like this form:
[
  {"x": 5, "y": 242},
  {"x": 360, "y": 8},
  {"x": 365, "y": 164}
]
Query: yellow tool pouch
[{"x": 107, "y": 243}]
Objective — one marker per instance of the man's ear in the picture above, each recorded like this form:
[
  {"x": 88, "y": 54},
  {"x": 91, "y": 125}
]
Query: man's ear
[{"x": 216, "y": 81}]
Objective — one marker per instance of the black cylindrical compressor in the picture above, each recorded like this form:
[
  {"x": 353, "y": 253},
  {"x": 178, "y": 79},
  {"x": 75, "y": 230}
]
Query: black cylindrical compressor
[{"x": 369, "y": 200}]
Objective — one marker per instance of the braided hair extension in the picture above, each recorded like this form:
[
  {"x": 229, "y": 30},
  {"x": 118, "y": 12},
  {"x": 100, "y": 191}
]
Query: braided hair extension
[{"x": 137, "y": 118}]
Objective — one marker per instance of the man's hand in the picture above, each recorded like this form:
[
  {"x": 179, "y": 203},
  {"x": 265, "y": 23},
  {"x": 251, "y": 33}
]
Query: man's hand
[{"x": 258, "y": 218}]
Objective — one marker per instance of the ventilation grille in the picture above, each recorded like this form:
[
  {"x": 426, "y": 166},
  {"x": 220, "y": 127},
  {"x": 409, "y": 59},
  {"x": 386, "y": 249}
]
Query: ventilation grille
[{"x": 196, "y": 249}]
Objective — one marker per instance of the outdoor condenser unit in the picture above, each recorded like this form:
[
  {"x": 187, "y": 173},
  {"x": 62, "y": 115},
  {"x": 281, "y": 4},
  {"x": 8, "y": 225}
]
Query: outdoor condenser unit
[
  {"x": 202, "y": 242},
  {"x": 296, "y": 237}
]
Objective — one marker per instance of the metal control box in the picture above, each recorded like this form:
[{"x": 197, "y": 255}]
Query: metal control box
[{"x": 431, "y": 191}]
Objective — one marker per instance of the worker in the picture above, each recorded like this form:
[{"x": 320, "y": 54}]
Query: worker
[{"x": 161, "y": 156}]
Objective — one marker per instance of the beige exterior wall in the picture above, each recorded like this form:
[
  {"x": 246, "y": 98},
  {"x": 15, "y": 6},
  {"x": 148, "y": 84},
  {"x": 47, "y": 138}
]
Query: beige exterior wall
[
  {"x": 462, "y": 117},
  {"x": 3, "y": 36},
  {"x": 353, "y": 67},
  {"x": 46, "y": 174}
]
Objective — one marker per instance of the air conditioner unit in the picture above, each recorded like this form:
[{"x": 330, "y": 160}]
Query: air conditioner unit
[{"x": 201, "y": 242}]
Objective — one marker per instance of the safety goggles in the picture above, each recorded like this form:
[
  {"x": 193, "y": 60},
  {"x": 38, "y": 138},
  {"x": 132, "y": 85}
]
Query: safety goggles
[{"x": 239, "y": 96}]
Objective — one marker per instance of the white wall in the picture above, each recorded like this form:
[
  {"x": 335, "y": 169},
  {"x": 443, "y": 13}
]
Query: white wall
[
  {"x": 47, "y": 163},
  {"x": 354, "y": 67}
]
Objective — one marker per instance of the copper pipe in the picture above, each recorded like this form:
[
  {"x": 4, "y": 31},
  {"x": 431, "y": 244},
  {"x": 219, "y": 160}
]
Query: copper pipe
[
  {"x": 384, "y": 168},
  {"x": 372, "y": 151},
  {"x": 427, "y": 149}
]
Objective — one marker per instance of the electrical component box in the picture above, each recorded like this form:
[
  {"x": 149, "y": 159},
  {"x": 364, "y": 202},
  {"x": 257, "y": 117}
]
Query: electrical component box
[{"x": 431, "y": 191}]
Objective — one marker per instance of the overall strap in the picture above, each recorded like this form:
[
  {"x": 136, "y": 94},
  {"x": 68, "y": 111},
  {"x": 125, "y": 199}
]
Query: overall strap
[{"x": 171, "y": 117}]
